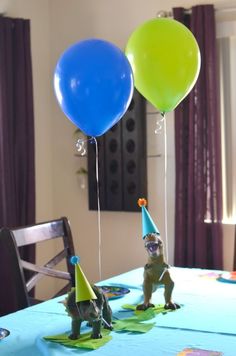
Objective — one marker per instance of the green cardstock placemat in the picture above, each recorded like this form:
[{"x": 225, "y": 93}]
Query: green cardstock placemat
[
  {"x": 84, "y": 341},
  {"x": 136, "y": 323},
  {"x": 159, "y": 308},
  {"x": 132, "y": 326}
]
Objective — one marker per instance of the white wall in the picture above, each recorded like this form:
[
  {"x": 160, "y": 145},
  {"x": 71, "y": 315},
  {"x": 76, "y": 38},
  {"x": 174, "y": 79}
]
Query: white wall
[{"x": 55, "y": 24}]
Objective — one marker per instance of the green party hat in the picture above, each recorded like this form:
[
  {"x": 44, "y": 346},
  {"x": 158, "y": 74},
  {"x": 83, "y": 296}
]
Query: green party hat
[{"x": 83, "y": 290}]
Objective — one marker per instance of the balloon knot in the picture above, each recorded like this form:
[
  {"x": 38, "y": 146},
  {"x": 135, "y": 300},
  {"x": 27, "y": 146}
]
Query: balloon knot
[{"x": 142, "y": 202}]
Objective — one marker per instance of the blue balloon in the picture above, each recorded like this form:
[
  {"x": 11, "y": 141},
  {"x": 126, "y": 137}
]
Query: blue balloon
[{"x": 93, "y": 82}]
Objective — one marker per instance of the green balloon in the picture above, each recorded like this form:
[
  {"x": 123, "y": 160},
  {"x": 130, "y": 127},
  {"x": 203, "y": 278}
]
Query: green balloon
[{"x": 165, "y": 59}]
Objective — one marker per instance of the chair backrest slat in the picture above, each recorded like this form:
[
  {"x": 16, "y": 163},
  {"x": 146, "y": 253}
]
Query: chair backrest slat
[
  {"x": 45, "y": 270},
  {"x": 57, "y": 259},
  {"x": 38, "y": 233},
  {"x": 50, "y": 264},
  {"x": 31, "y": 283}
]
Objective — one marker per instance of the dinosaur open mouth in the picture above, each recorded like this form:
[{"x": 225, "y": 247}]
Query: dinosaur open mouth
[{"x": 152, "y": 247}]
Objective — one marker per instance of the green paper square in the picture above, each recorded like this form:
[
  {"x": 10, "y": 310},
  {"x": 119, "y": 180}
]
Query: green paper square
[
  {"x": 159, "y": 308},
  {"x": 84, "y": 341},
  {"x": 146, "y": 314},
  {"x": 133, "y": 326}
]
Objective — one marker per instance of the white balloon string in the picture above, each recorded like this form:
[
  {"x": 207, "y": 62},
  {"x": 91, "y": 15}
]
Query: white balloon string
[
  {"x": 166, "y": 205},
  {"x": 99, "y": 214},
  {"x": 158, "y": 131},
  {"x": 159, "y": 123}
]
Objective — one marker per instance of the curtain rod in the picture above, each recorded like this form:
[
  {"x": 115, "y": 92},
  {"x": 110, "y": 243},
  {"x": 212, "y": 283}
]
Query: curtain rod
[{"x": 164, "y": 13}]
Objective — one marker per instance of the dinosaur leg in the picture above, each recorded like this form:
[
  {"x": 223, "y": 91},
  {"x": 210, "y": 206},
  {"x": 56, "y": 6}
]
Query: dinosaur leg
[
  {"x": 169, "y": 285},
  {"x": 75, "y": 328},
  {"x": 96, "y": 333},
  {"x": 147, "y": 291}
]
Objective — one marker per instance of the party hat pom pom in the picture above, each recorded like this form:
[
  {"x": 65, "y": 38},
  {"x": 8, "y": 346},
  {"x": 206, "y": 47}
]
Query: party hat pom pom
[
  {"x": 142, "y": 202},
  {"x": 74, "y": 260}
]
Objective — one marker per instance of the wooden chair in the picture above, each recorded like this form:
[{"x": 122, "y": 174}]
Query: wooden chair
[{"x": 14, "y": 293}]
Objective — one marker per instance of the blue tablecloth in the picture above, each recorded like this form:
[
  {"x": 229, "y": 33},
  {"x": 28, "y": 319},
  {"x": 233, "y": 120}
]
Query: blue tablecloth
[{"x": 206, "y": 320}]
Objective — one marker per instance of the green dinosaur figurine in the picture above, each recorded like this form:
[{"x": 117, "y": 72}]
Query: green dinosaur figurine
[
  {"x": 97, "y": 312},
  {"x": 156, "y": 271}
]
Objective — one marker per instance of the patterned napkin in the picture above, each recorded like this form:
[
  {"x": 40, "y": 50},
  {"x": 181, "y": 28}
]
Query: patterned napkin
[{"x": 199, "y": 352}]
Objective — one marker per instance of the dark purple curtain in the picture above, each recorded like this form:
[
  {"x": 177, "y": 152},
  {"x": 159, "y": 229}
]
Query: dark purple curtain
[
  {"x": 198, "y": 154},
  {"x": 17, "y": 166}
]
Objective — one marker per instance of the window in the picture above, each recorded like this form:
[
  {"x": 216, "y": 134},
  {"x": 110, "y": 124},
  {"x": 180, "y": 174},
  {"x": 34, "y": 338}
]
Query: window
[{"x": 226, "y": 38}]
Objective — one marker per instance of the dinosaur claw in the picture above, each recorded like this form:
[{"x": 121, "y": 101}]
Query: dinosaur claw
[
  {"x": 145, "y": 306},
  {"x": 172, "y": 306},
  {"x": 73, "y": 337}
]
